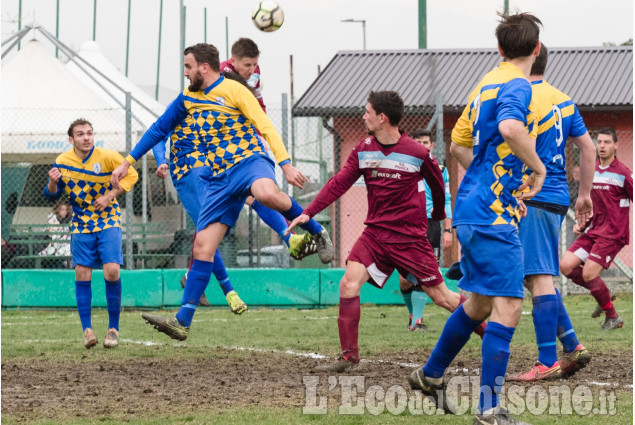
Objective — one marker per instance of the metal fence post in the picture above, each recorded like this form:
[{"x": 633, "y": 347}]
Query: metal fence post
[
  {"x": 129, "y": 197},
  {"x": 285, "y": 132}
]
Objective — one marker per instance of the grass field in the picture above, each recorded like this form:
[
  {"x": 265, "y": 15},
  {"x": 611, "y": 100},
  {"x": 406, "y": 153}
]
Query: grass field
[{"x": 250, "y": 368}]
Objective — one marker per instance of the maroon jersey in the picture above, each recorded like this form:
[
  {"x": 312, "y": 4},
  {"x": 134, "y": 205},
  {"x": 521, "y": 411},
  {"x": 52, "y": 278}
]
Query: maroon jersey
[
  {"x": 396, "y": 194},
  {"x": 612, "y": 195},
  {"x": 253, "y": 81}
]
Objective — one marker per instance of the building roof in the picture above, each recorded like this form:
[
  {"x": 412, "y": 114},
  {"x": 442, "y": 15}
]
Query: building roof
[{"x": 594, "y": 77}]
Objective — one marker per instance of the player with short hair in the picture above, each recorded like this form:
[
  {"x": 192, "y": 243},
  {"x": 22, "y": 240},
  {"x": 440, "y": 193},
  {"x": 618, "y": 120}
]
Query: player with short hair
[
  {"x": 84, "y": 174},
  {"x": 224, "y": 115},
  {"x": 244, "y": 62},
  {"x": 558, "y": 119},
  {"x": 393, "y": 166},
  {"x": 594, "y": 251},
  {"x": 414, "y": 296},
  {"x": 491, "y": 140}
]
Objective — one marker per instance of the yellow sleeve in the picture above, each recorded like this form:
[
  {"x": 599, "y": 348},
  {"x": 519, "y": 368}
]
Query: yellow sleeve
[
  {"x": 131, "y": 178},
  {"x": 250, "y": 108},
  {"x": 462, "y": 131}
]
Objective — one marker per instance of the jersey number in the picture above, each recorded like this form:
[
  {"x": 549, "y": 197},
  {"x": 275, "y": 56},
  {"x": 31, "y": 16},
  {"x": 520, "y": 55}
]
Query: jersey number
[
  {"x": 557, "y": 115},
  {"x": 476, "y": 107}
]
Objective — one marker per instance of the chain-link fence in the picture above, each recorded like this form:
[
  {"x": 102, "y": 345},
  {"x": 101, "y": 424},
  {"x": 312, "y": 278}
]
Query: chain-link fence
[{"x": 161, "y": 232}]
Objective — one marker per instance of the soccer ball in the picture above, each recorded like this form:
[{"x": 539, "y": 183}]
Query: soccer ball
[{"x": 268, "y": 16}]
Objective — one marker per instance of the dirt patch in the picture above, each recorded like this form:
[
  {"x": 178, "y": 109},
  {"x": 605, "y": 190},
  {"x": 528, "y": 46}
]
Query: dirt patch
[{"x": 149, "y": 387}]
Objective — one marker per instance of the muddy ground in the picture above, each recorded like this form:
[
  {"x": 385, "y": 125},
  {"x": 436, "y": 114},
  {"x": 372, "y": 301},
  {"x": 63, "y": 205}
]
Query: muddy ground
[{"x": 149, "y": 387}]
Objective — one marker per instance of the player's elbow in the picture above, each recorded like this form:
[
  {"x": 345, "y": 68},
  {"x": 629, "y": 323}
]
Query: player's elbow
[{"x": 511, "y": 129}]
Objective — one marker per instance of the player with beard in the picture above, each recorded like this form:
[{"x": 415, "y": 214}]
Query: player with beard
[
  {"x": 224, "y": 115},
  {"x": 393, "y": 166}
]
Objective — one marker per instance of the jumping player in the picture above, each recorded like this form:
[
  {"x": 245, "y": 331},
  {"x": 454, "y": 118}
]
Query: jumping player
[
  {"x": 491, "y": 140},
  {"x": 84, "y": 174},
  {"x": 594, "y": 251},
  {"x": 225, "y": 115},
  {"x": 558, "y": 119},
  {"x": 393, "y": 166},
  {"x": 189, "y": 175}
]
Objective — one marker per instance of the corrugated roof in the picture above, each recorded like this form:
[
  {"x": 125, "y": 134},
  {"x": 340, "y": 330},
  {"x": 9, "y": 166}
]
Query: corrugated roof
[{"x": 594, "y": 77}]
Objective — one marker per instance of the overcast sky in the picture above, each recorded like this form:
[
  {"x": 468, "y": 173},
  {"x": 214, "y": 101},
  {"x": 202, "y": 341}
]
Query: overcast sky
[{"x": 312, "y": 31}]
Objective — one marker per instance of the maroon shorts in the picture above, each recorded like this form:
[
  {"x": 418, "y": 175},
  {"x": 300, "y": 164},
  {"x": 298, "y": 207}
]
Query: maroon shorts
[
  {"x": 414, "y": 261},
  {"x": 599, "y": 250}
]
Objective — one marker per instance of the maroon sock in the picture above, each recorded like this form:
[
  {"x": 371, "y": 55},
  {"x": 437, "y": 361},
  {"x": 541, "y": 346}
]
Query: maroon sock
[
  {"x": 348, "y": 325},
  {"x": 576, "y": 277},
  {"x": 480, "y": 330},
  {"x": 601, "y": 293}
]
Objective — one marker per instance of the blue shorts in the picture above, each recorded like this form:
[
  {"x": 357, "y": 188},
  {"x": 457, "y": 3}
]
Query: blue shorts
[
  {"x": 227, "y": 192},
  {"x": 191, "y": 189},
  {"x": 539, "y": 233},
  {"x": 96, "y": 249},
  {"x": 492, "y": 261}
]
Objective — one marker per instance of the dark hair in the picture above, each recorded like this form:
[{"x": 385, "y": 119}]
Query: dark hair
[
  {"x": 421, "y": 133},
  {"x": 538, "y": 68},
  {"x": 78, "y": 122},
  {"x": 245, "y": 48},
  {"x": 609, "y": 132},
  {"x": 204, "y": 53},
  {"x": 236, "y": 77},
  {"x": 518, "y": 34},
  {"x": 388, "y": 103}
]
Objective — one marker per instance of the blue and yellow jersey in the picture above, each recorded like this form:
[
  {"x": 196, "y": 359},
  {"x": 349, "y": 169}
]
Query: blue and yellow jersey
[
  {"x": 186, "y": 151},
  {"x": 485, "y": 194},
  {"x": 224, "y": 119},
  {"x": 558, "y": 119},
  {"x": 89, "y": 179}
]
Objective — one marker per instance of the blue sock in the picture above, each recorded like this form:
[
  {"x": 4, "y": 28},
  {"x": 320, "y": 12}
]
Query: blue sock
[
  {"x": 456, "y": 333},
  {"x": 220, "y": 273},
  {"x": 273, "y": 218},
  {"x": 545, "y": 312},
  {"x": 407, "y": 297},
  {"x": 565, "y": 331},
  {"x": 84, "y": 296},
  {"x": 311, "y": 226},
  {"x": 197, "y": 280},
  {"x": 419, "y": 300},
  {"x": 495, "y": 355},
  {"x": 113, "y": 301}
]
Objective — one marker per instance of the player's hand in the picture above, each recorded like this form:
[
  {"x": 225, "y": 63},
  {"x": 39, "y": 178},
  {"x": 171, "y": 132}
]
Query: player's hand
[
  {"x": 55, "y": 174},
  {"x": 535, "y": 182},
  {"x": 301, "y": 219},
  {"x": 101, "y": 203},
  {"x": 446, "y": 240},
  {"x": 583, "y": 209},
  {"x": 294, "y": 176},
  {"x": 162, "y": 171},
  {"x": 119, "y": 173},
  {"x": 522, "y": 209},
  {"x": 578, "y": 229}
]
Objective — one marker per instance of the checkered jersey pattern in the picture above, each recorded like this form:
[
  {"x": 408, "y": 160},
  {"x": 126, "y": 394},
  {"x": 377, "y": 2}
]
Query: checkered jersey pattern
[
  {"x": 229, "y": 138},
  {"x": 186, "y": 150},
  {"x": 85, "y": 181}
]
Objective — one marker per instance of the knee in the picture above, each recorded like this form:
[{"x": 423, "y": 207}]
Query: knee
[
  {"x": 588, "y": 275},
  {"x": 349, "y": 288},
  {"x": 443, "y": 299},
  {"x": 565, "y": 268},
  {"x": 274, "y": 199},
  {"x": 111, "y": 272}
]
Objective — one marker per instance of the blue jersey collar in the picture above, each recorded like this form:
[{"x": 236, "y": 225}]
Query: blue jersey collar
[{"x": 215, "y": 83}]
